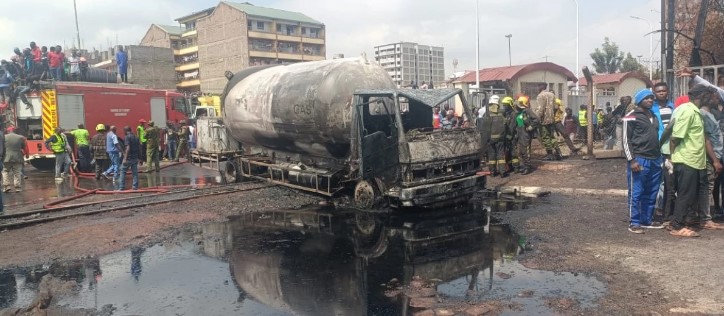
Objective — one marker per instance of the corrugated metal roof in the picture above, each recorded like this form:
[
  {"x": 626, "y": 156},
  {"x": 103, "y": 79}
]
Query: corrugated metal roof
[
  {"x": 170, "y": 29},
  {"x": 513, "y": 72},
  {"x": 614, "y": 78},
  {"x": 272, "y": 13}
]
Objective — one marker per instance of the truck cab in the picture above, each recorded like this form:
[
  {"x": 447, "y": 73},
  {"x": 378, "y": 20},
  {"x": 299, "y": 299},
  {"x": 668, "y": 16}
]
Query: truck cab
[{"x": 402, "y": 158}]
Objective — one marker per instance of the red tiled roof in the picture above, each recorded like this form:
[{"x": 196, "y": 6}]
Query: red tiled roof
[
  {"x": 513, "y": 72},
  {"x": 615, "y": 78}
]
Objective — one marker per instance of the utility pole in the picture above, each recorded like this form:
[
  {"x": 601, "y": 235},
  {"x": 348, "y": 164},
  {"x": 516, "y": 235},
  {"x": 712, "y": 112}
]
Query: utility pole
[
  {"x": 477, "y": 45},
  {"x": 77, "y": 29},
  {"x": 510, "y": 57},
  {"x": 546, "y": 57}
]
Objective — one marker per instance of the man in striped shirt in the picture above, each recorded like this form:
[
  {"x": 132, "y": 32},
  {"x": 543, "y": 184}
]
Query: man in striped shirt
[{"x": 663, "y": 108}]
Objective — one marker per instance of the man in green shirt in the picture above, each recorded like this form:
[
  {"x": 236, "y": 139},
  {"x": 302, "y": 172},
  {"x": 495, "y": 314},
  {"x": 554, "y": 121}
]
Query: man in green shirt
[
  {"x": 83, "y": 155},
  {"x": 688, "y": 154}
]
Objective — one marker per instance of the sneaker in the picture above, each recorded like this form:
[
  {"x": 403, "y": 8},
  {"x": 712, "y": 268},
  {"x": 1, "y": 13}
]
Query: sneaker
[
  {"x": 58, "y": 179},
  {"x": 17, "y": 189},
  {"x": 6, "y": 190},
  {"x": 653, "y": 225},
  {"x": 25, "y": 177},
  {"x": 105, "y": 176},
  {"x": 635, "y": 229}
]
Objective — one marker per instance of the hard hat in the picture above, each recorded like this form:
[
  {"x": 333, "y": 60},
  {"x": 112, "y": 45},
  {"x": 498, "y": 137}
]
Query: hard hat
[
  {"x": 141, "y": 121},
  {"x": 507, "y": 100},
  {"x": 494, "y": 99},
  {"x": 558, "y": 101},
  {"x": 10, "y": 129},
  {"x": 100, "y": 127},
  {"x": 523, "y": 101}
]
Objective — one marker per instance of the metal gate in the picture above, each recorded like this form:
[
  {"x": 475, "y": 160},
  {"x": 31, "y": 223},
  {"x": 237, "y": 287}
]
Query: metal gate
[{"x": 158, "y": 111}]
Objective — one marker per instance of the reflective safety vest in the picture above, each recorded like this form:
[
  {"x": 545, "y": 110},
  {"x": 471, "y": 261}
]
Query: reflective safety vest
[
  {"x": 58, "y": 146},
  {"x": 141, "y": 133},
  {"x": 582, "y": 120}
]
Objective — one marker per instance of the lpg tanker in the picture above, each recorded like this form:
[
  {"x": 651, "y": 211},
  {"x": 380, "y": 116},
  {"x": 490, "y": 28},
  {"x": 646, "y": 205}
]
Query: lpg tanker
[{"x": 339, "y": 127}]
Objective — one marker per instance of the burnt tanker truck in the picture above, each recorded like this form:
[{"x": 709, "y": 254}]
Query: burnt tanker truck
[{"x": 341, "y": 127}]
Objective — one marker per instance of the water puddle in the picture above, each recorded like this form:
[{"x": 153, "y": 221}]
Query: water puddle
[{"x": 312, "y": 262}]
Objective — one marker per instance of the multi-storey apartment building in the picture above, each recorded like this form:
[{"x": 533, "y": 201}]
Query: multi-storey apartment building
[
  {"x": 233, "y": 36},
  {"x": 412, "y": 63}
]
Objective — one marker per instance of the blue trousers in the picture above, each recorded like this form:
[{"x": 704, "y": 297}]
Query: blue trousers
[
  {"x": 115, "y": 158},
  {"x": 120, "y": 177},
  {"x": 643, "y": 186}
]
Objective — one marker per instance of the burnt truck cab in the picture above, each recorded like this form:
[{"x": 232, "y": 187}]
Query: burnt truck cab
[{"x": 398, "y": 155}]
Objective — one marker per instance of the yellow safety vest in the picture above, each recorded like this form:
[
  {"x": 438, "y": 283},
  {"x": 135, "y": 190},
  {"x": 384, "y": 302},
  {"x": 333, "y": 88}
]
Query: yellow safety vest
[
  {"x": 58, "y": 146},
  {"x": 582, "y": 120}
]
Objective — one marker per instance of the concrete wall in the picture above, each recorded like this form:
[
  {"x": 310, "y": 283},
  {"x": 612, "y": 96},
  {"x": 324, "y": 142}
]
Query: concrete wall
[
  {"x": 151, "y": 66},
  {"x": 543, "y": 76},
  {"x": 223, "y": 45},
  {"x": 156, "y": 37},
  {"x": 629, "y": 87}
]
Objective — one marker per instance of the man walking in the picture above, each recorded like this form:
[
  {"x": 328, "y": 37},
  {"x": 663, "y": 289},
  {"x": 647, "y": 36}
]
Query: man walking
[
  {"x": 641, "y": 146},
  {"x": 98, "y": 146},
  {"x": 15, "y": 149},
  {"x": 130, "y": 161},
  {"x": 152, "y": 142},
  {"x": 560, "y": 118},
  {"x": 545, "y": 110},
  {"x": 58, "y": 144},
  {"x": 114, "y": 150},
  {"x": 688, "y": 154},
  {"x": 183, "y": 141},
  {"x": 83, "y": 154}
]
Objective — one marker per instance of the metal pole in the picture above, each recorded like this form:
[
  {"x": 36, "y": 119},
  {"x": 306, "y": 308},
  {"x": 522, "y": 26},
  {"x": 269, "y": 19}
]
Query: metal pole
[
  {"x": 578, "y": 68},
  {"x": 477, "y": 45},
  {"x": 651, "y": 46},
  {"x": 77, "y": 29},
  {"x": 510, "y": 56}
]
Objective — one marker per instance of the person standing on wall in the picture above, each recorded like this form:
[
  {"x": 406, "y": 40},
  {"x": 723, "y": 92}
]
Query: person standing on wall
[{"x": 122, "y": 62}]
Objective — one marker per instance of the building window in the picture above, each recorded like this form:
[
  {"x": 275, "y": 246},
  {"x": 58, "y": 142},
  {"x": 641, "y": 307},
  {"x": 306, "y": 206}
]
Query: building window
[
  {"x": 314, "y": 32},
  {"x": 286, "y": 47},
  {"x": 261, "y": 45},
  {"x": 529, "y": 89},
  {"x": 609, "y": 91},
  {"x": 260, "y": 26},
  {"x": 311, "y": 49},
  {"x": 291, "y": 30},
  {"x": 279, "y": 27}
]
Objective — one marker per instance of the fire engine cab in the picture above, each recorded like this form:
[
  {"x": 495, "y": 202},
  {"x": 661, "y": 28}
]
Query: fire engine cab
[{"x": 67, "y": 104}]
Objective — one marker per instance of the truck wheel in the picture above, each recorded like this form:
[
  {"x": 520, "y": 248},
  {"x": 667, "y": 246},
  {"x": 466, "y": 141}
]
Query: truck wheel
[
  {"x": 365, "y": 195},
  {"x": 43, "y": 163},
  {"x": 230, "y": 173}
]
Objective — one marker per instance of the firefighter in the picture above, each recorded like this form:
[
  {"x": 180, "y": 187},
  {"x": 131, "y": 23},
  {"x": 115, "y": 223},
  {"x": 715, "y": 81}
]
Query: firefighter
[
  {"x": 152, "y": 141},
  {"x": 183, "y": 141},
  {"x": 511, "y": 138},
  {"x": 141, "y": 132},
  {"x": 58, "y": 144},
  {"x": 526, "y": 123},
  {"x": 496, "y": 144},
  {"x": 98, "y": 147}
]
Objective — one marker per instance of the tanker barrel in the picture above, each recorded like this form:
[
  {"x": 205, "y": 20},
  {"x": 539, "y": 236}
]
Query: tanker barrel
[{"x": 98, "y": 75}]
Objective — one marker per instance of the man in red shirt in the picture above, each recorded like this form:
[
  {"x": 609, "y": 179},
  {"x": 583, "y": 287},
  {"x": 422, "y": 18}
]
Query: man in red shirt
[
  {"x": 54, "y": 63},
  {"x": 35, "y": 51}
]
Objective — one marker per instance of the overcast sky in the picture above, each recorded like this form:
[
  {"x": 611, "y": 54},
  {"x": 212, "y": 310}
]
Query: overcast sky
[{"x": 539, "y": 28}]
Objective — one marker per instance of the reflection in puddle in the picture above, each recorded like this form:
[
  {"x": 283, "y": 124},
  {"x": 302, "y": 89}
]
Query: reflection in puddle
[{"x": 314, "y": 262}]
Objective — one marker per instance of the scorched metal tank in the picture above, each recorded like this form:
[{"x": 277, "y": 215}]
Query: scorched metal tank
[{"x": 303, "y": 108}]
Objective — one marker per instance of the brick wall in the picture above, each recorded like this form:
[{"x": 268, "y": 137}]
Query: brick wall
[
  {"x": 223, "y": 45},
  {"x": 156, "y": 37}
]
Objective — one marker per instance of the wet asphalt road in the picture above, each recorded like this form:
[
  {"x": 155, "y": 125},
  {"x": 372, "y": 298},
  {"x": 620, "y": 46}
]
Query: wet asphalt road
[{"x": 41, "y": 186}]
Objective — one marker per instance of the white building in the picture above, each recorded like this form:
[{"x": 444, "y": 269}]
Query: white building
[{"x": 409, "y": 63}]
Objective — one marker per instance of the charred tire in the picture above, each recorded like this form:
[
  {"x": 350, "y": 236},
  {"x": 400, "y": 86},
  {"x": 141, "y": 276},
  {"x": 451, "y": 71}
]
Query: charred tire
[
  {"x": 366, "y": 195},
  {"x": 230, "y": 173}
]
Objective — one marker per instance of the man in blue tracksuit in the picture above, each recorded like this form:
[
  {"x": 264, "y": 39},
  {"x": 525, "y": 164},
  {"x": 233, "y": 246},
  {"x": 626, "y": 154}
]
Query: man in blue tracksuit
[{"x": 641, "y": 145}]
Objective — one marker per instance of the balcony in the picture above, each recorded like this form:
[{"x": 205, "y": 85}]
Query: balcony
[
  {"x": 188, "y": 83},
  {"x": 186, "y": 51},
  {"x": 263, "y": 54},
  {"x": 187, "y": 67},
  {"x": 189, "y": 33},
  {"x": 264, "y": 35}
]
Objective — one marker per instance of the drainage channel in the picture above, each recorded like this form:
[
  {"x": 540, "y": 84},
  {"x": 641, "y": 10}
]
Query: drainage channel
[{"x": 310, "y": 262}]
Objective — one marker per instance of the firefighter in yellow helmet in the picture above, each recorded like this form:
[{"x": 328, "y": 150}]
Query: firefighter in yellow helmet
[
  {"x": 526, "y": 123},
  {"x": 98, "y": 150},
  {"x": 560, "y": 116},
  {"x": 511, "y": 146}
]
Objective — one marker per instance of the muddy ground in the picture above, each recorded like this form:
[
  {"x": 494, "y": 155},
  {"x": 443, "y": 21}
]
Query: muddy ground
[{"x": 652, "y": 273}]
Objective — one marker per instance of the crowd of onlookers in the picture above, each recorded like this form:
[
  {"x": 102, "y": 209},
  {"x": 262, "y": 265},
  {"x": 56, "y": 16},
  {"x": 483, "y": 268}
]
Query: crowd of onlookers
[{"x": 25, "y": 68}]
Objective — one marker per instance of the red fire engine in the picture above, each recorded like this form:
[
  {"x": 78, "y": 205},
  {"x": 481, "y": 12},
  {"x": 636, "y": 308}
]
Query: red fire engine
[{"x": 67, "y": 104}]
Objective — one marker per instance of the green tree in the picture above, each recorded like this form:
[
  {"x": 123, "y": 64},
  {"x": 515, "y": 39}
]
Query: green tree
[
  {"x": 608, "y": 58},
  {"x": 630, "y": 63}
]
